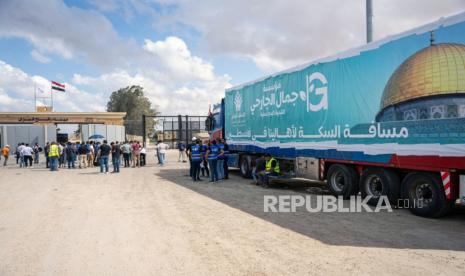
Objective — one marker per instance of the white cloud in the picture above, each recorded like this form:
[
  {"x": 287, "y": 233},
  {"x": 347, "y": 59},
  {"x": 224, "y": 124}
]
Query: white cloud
[
  {"x": 17, "y": 93},
  {"x": 165, "y": 68},
  {"x": 275, "y": 35},
  {"x": 282, "y": 33},
  {"x": 180, "y": 83},
  {"x": 39, "y": 56},
  {"x": 70, "y": 32}
]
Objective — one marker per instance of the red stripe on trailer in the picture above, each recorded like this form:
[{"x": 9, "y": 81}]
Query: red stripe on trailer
[
  {"x": 445, "y": 176},
  {"x": 428, "y": 163}
]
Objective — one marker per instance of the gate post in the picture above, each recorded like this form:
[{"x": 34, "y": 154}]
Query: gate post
[
  {"x": 187, "y": 130},
  {"x": 179, "y": 129}
]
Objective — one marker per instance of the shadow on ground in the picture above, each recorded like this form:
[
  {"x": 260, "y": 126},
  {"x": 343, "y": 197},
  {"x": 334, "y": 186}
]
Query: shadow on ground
[{"x": 399, "y": 229}]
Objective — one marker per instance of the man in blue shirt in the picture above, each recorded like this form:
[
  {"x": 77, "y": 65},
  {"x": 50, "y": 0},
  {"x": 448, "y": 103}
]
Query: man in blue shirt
[
  {"x": 212, "y": 154},
  {"x": 196, "y": 159},
  {"x": 220, "y": 160},
  {"x": 226, "y": 155},
  {"x": 182, "y": 149}
]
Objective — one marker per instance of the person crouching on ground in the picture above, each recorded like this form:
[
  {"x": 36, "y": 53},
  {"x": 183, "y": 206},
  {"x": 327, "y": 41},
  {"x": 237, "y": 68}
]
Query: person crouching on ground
[
  {"x": 258, "y": 165},
  {"x": 271, "y": 169}
]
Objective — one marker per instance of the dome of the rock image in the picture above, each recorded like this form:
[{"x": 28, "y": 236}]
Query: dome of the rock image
[{"x": 430, "y": 84}]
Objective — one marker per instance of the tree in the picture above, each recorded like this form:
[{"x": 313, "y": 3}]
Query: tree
[{"x": 131, "y": 100}]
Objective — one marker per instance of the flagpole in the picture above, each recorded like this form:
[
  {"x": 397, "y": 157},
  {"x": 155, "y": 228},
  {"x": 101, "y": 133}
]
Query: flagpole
[
  {"x": 51, "y": 96},
  {"x": 35, "y": 96}
]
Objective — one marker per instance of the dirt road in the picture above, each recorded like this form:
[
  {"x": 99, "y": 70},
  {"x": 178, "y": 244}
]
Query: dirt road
[{"x": 155, "y": 221}]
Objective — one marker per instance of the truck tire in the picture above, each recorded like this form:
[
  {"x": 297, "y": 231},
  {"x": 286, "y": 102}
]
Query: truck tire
[
  {"x": 425, "y": 194},
  {"x": 245, "y": 166},
  {"x": 342, "y": 180},
  {"x": 376, "y": 182}
]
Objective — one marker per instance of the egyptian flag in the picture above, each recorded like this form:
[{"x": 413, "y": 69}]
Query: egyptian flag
[{"x": 58, "y": 86}]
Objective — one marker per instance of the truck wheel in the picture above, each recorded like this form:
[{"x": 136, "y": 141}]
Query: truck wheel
[
  {"x": 377, "y": 182},
  {"x": 245, "y": 167},
  {"x": 425, "y": 194},
  {"x": 342, "y": 180}
]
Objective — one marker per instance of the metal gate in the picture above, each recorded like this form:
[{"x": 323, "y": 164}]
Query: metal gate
[{"x": 173, "y": 129}]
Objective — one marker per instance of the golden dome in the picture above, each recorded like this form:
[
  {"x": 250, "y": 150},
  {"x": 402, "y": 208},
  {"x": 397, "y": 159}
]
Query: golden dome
[{"x": 435, "y": 70}]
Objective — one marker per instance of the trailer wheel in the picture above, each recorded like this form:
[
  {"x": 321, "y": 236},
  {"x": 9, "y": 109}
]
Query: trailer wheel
[
  {"x": 342, "y": 180},
  {"x": 425, "y": 194},
  {"x": 377, "y": 182},
  {"x": 245, "y": 167}
]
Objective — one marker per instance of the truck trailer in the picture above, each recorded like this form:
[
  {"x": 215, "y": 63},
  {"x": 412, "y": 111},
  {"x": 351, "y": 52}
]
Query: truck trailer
[{"x": 383, "y": 119}]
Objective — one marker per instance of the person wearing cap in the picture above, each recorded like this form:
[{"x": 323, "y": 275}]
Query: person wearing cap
[
  {"x": 6, "y": 154},
  {"x": 212, "y": 155},
  {"x": 196, "y": 157}
]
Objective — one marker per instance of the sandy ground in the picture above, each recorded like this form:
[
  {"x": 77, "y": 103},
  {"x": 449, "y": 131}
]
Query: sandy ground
[{"x": 155, "y": 221}]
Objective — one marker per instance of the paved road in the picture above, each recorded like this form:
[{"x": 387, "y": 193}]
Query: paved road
[{"x": 155, "y": 221}]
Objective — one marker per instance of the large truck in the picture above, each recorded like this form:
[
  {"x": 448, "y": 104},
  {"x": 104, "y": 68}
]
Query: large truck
[{"x": 384, "y": 119}]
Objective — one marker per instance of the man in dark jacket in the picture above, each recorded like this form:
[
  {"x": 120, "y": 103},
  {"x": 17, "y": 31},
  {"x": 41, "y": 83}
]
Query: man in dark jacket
[
  {"x": 103, "y": 154},
  {"x": 115, "y": 156},
  {"x": 71, "y": 153}
]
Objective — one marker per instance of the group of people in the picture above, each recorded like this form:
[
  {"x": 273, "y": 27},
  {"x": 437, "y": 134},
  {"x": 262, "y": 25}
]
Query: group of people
[
  {"x": 209, "y": 159},
  {"x": 25, "y": 154},
  {"x": 79, "y": 155}
]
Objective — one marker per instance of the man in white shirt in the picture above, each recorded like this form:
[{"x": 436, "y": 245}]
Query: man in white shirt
[
  {"x": 19, "y": 152},
  {"x": 162, "y": 148},
  {"x": 27, "y": 153}
]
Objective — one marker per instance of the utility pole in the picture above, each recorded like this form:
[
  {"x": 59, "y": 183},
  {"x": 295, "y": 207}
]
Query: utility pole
[{"x": 369, "y": 19}]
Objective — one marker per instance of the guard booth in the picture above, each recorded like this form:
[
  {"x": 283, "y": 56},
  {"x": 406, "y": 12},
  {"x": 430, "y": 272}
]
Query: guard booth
[{"x": 42, "y": 127}]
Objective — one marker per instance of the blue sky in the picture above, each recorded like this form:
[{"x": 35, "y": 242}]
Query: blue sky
[{"x": 184, "y": 53}]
